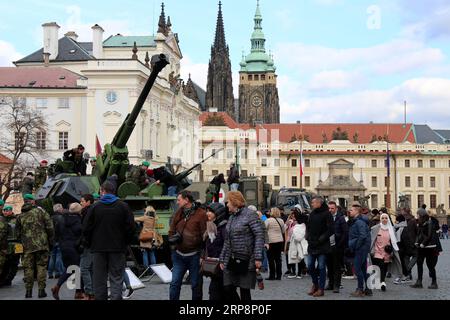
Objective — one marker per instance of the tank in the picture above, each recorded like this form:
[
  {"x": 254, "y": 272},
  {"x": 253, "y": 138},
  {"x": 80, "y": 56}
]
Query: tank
[
  {"x": 288, "y": 198},
  {"x": 256, "y": 192}
]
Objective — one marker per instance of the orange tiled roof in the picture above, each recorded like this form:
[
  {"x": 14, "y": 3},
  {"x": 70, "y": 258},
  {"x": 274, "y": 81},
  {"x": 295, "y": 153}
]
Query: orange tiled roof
[
  {"x": 397, "y": 133},
  {"x": 4, "y": 160}
]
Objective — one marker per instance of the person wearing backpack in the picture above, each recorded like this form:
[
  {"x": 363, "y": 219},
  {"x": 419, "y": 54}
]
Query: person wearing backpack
[{"x": 275, "y": 230}]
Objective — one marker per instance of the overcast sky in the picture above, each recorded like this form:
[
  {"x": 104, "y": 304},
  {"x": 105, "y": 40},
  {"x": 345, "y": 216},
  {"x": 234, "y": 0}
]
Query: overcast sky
[{"x": 337, "y": 60}]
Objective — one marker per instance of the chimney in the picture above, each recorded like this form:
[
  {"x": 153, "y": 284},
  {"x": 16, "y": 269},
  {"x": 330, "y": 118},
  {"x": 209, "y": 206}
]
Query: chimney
[
  {"x": 97, "y": 41},
  {"x": 72, "y": 35},
  {"x": 51, "y": 39},
  {"x": 46, "y": 59}
]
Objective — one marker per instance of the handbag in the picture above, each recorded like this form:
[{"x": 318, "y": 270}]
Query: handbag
[
  {"x": 146, "y": 236},
  {"x": 210, "y": 267}
]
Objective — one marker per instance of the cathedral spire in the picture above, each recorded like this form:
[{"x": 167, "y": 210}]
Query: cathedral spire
[
  {"x": 162, "y": 26},
  {"x": 219, "y": 42},
  {"x": 258, "y": 39}
]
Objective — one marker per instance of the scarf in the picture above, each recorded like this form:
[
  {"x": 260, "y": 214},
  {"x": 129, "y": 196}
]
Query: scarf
[
  {"x": 211, "y": 231},
  {"x": 108, "y": 199},
  {"x": 389, "y": 227}
]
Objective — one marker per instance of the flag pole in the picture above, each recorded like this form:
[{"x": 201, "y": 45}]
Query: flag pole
[
  {"x": 301, "y": 156},
  {"x": 388, "y": 165}
]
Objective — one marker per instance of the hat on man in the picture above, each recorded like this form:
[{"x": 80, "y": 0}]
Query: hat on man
[
  {"x": 2, "y": 203},
  {"x": 96, "y": 196},
  {"x": 150, "y": 172},
  {"x": 146, "y": 164},
  {"x": 44, "y": 162},
  {"x": 28, "y": 197},
  {"x": 75, "y": 208},
  {"x": 8, "y": 208},
  {"x": 94, "y": 159}
]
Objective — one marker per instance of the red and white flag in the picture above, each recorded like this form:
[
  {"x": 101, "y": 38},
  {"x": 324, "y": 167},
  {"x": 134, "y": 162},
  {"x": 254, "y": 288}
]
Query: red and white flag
[
  {"x": 98, "y": 146},
  {"x": 302, "y": 161}
]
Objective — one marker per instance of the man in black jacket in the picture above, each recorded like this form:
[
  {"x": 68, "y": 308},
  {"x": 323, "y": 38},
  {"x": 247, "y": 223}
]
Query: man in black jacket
[
  {"x": 318, "y": 232},
  {"x": 338, "y": 241},
  {"x": 109, "y": 228}
]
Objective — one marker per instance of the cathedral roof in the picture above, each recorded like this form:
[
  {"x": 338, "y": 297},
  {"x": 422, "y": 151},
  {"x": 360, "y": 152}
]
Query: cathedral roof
[{"x": 119, "y": 41}]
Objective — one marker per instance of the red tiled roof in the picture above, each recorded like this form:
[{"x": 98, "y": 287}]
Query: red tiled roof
[
  {"x": 397, "y": 132},
  {"x": 4, "y": 160},
  {"x": 38, "y": 77}
]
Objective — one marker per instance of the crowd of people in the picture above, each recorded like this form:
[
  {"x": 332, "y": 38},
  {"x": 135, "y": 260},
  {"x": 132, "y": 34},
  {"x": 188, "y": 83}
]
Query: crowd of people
[{"x": 233, "y": 244}]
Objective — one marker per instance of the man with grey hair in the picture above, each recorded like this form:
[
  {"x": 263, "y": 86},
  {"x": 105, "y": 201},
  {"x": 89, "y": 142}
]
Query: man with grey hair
[
  {"x": 55, "y": 265},
  {"x": 318, "y": 230}
]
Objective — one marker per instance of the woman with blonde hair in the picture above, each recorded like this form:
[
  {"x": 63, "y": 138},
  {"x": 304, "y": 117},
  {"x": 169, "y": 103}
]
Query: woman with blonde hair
[
  {"x": 241, "y": 255},
  {"x": 148, "y": 236},
  {"x": 275, "y": 230}
]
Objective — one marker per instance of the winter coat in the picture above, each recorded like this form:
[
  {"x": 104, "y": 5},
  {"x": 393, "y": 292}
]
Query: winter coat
[
  {"x": 191, "y": 230},
  {"x": 275, "y": 230},
  {"x": 298, "y": 247},
  {"x": 427, "y": 236},
  {"x": 161, "y": 174},
  {"x": 35, "y": 229},
  {"x": 359, "y": 238},
  {"x": 148, "y": 226},
  {"x": 340, "y": 228},
  {"x": 319, "y": 230},
  {"x": 214, "y": 249},
  {"x": 395, "y": 266},
  {"x": 244, "y": 238},
  {"x": 69, "y": 234},
  {"x": 409, "y": 235},
  {"x": 109, "y": 226},
  {"x": 233, "y": 176},
  {"x": 27, "y": 185}
]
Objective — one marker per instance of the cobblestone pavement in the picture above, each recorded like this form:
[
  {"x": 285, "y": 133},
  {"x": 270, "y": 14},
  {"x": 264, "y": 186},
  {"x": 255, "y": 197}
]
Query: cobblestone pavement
[{"x": 275, "y": 290}]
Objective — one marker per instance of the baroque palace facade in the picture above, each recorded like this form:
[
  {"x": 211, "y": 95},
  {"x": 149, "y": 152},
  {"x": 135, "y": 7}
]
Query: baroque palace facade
[
  {"x": 342, "y": 162},
  {"x": 86, "y": 89}
]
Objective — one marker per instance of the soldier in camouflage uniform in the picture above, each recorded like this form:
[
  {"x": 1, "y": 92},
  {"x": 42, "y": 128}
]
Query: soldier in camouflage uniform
[
  {"x": 12, "y": 259},
  {"x": 138, "y": 175},
  {"x": 28, "y": 184},
  {"x": 35, "y": 230},
  {"x": 40, "y": 175}
]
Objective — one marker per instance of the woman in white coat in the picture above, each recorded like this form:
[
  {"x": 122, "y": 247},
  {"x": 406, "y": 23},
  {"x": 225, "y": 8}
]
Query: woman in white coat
[{"x": 298, "y": 249}]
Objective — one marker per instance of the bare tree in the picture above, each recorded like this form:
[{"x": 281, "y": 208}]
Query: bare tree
[{"x": 23, "y": 138}]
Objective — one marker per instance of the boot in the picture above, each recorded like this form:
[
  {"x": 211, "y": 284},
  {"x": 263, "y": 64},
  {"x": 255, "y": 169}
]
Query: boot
[
  {"x": 55, "y": 292},
  {"x": 313, "y": 290},
  {"x": 42, "y": 294},
  {"x": 357, "y": 294},
  {"x": 29, "y": 294},
  {"x": 417, "y": 285},
  {"x": 79, "y": 295},
  {"x": 433, "y": 285},
  {"x": 319, "y": 293}
]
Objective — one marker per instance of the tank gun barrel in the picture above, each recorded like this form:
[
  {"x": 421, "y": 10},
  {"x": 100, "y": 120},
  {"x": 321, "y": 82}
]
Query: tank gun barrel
[
  {"x": 186, "y": 173},
  {"x": 123, "y": 135}
]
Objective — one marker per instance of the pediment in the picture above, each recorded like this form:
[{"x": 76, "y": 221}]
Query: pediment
[{"x": 173, "y": 44}]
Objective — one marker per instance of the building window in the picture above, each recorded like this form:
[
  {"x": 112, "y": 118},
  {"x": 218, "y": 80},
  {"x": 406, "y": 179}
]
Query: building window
[
  {"x": 386, "y": 181},
  {"x": 385, "y": 200},
  {"x": 408, "y": 182},
  {"x": 307, "y": 182},
  {"x": 432, "y": 163},
  {"x": 294, "y": 181},
  {"x": 294, "y": 163},
  {"x": 432, "y": 182},
  {"x": 215, "y": 153},
  {"x": 276, "y": 181},
  {"x": 19, "y": 140},
  {"x": 449, "y": 163},
  {"x": 433, "y": 201},
  {"x": 276, "y": 162},
  {"x": 420, "y": 163},
  {"x": 420, "y": 200},
  {"x": 264, "y": 179},
  {"x": 41, "y": 138},
  {"x": 407, "y": 163},
  {"x": 263, "y": 162},
  {"x": 420, "y": 182},
  {"x": 250, "y": 77},
  {"x": 374, "y": 201},
  {"x": 63, "y": 103},
  {"x": 63, "y": 141},
  {"x": 374, "y": 182},
  {"x": 244, "y": 173},
  {"x": 256, "y": 77},
  {"x": 229, "y": 153},
  {"x": 215, "y": 172},
  {"x": 374, "y": 163},
  {"x": 244, "y": 153},
  {"x": 263, "y": 77},
  {"x": 201, "y": 153},
  {"x": 41, "y": 103},
  {"x": 307, "y": 163}
]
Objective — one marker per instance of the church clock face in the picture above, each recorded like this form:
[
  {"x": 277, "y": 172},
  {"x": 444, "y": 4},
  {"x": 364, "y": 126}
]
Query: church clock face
[{"x": 256, "y": 101}]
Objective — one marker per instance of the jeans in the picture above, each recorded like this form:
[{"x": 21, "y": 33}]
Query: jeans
[
  {"x": 234, "y": 187},
  {"x": 112, "y": 265},
  {"x": 265, "y": 263},
  {"x": 360, "y": 266},
  {"x": 172, "y": 191},
  {"x": 55, "y": 264},
  {"x": 126, "y": 280},
  {"x": 180, "y": 265},
  {"x": 148, "y": 257},
  {"x": 319, "y": 274},
  {"x": 86, "y": 266}
]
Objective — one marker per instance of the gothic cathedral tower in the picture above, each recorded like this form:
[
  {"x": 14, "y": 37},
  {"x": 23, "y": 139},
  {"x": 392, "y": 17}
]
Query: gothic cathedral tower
[
  {"x": 219, "y": 90},
  {"x": 258, "y": 92}
]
